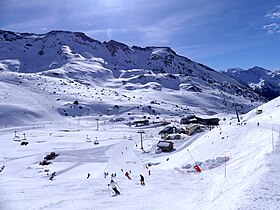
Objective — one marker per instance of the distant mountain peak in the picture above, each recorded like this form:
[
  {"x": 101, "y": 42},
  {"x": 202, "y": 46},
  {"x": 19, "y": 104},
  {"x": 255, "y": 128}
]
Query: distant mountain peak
[
  {"x": 113, "y": 46},
  {"x": 263, "y": 81},
  {"x": 257, "y": 69}
]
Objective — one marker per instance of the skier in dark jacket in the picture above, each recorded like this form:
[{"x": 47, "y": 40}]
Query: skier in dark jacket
[
  {"x": 114, "y": 187},
  {"x": 142, "y": 180},
  {"x": 52, "y": 176},
  {"x": 2, "y": 168},
  {"x": 127, "y": 175}
]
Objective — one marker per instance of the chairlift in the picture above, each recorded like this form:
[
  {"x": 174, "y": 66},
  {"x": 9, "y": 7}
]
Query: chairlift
[
  {"x": 16, "y": 138},
  {"x": 96, "y": 141},
  {"x": 24, "y": 141},
  {"x": 88, "y": 139}
]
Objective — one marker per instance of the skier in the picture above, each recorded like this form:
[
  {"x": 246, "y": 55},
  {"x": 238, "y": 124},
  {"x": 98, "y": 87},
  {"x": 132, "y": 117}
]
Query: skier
[
  {"x": 2, "y": 168},
  {"x": 52, "y": 176},
  {"x": 114, "y": 187},
  {"x": 127, "y": 175},
  {"x": 88, "y": 175},
  {"x": 142, "y": 180},
  {"x": 105, "y": 174}
]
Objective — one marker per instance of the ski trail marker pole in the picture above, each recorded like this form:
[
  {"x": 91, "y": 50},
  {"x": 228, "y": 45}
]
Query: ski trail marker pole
[
  {"x": 196, "y": 167},
  {"x": 225, "y": 166},
  {"x": 191, "y": 155}
]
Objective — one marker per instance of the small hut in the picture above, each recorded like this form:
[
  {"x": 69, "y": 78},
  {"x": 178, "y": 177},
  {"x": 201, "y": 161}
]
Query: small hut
[
  {"x": 165, "y": 146},
  {"x": 258, "y": 111}
]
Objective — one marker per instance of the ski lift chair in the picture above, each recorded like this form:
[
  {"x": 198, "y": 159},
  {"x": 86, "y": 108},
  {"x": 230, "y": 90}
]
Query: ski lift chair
[
  {"x": 88, "y": 139},
  {"x": 96, "y": 141},
  {"x": 24, "y": 141},
  {"x": 16, "y": 138}
]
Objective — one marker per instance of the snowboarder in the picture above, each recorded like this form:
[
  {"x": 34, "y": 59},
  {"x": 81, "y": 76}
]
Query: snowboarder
[
  {"x": 127, "y": 175},
  {"x": 114, "y": 187},
  {"x": 52, "y": 176},
  {"x": 142, "y": 180},
  {"x": 88, "y": 175}
]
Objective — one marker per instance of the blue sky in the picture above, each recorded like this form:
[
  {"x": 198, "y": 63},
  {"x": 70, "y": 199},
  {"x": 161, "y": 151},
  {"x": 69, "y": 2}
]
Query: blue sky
[{"x": 221, "y": 34}]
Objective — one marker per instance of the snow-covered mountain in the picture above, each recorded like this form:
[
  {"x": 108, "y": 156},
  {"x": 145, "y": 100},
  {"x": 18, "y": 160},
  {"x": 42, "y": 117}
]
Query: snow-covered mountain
[
  {"x": 263, "y": 81},
  {"x": 73, "y": 57},
  {"x": 62, "y": 92}
]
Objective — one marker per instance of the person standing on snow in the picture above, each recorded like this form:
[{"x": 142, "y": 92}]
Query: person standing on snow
[
  {"x": 114, "y": 187},
  {"x": 142, "y": 180},
  {"x": 88, "y": 175}
]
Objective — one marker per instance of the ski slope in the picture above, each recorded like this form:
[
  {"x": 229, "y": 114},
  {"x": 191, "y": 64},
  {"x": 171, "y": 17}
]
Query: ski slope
[{"x": 247, "y": 180}]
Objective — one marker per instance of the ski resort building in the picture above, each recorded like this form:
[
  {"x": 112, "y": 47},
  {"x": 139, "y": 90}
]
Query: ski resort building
[
  {"x": 188, "y": 119},
  {"x": 167, "y": 130},
  {"x": 165, "y": 146},
  {"x": 139, "y": 123},
  {"x": 197, "y": 120},
  {"x": 191, "y": 128}
]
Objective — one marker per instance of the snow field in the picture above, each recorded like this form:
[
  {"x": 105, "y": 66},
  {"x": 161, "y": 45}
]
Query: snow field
[{"x": 248, "y": 180}]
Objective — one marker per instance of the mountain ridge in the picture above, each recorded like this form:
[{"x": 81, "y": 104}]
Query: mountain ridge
[{"x": 77, "y": 57}]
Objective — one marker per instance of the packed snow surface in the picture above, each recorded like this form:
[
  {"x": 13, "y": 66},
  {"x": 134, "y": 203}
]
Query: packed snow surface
[{"x": 239, "y": 161}]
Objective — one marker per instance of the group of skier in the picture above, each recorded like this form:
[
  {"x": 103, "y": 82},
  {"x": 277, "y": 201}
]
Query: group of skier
[
  {"x": 112, "y": 183},
  {"x": 115, "y": 186}
]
